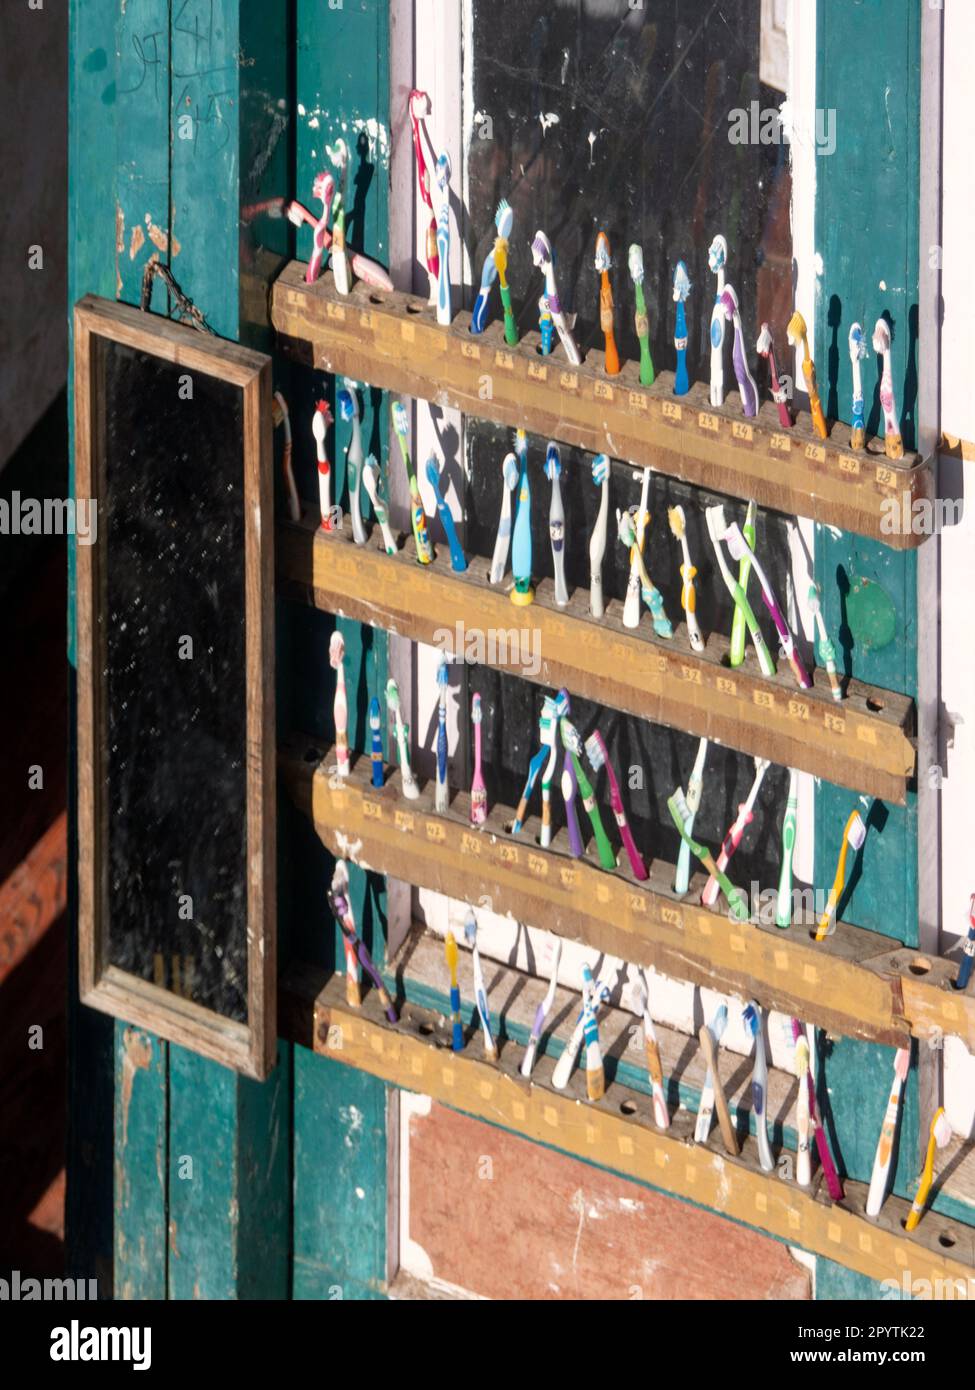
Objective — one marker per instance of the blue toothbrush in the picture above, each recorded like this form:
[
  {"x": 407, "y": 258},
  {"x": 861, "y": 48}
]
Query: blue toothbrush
[
  {"x": 965, "y": 969},
  {"x": 443, "y": 240},
  {"x": 375, "y": 725},
  {"x": 682, "y": 288},
  {"x": 458, "y": 562},
  {"x": 521, "y": 548},
  {"x": 442, "y": 798}
]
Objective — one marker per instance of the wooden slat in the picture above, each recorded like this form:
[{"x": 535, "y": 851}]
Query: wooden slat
[
  {"x": 856, "y": 983},
  {"x": 863, "y": 743},
  {"x": 417, "y": 1056},
  {"x": 394, "y": 341}
]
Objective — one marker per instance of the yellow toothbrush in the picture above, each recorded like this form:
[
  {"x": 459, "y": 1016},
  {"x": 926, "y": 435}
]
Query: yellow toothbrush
[{"x": 854, "y": 833}]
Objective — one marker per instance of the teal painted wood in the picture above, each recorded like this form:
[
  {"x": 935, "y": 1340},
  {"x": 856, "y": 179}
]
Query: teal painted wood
[
  {"x": 340, "y": 1180},
  {"x": 836, "y": 1282},
  {"x": 867, "y": 198},
  {"x": 141, "y": 1062}
]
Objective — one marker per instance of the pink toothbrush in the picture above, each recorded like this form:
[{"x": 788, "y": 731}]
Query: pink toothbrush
[
  {"x": 734, "y": 836},
  {"x": 419, "y": 108},
  {"x": 324, "y": 190},
  {"x": 822, "y": 1144},
  {"x": 598, "y": 757},
  {"x": 780, "y": 388},
  {"x": 336, "y": 656},
  {"x": 363, "y": 268},
  {"x": 478, "y": 789}
]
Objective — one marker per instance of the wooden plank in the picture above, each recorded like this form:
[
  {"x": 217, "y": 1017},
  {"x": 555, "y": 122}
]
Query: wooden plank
[
  {"x": 33, "y": 896},
  {"x": 417, "y": 1055},
  {"x": 393, "y": 341},
  {"x": 141, "y": 1067},
  {"x": 864, "y": 742},
  {"x": 852, "y": 983}
]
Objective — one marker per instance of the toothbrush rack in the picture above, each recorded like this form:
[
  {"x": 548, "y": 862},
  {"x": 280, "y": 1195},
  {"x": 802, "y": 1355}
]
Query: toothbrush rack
[
  {"x": 857, "y": 983},
  {"x": 392, "y": 340},
  {"x": 615, "y": 1133},
  {"x": 863, "y": 742}
]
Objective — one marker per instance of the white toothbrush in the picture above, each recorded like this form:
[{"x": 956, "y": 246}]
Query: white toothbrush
[
  {"x": 442, "y": 172},
  {"x": 885, "y": 1147},
  {"x": 595, "y": 1072},
  {"x": 320, "y": 422},
  {"x": 649, "y": 592},
  {"x": 349, "y": 410},
  {"x": 718, "y": 261},
  {"x": 705, "y": 1109},
  {"x": 502, "y": 542},
  {"x": 734, "y": 836},
  {"x": 556, "y": 523},
  {"x": 542, "y": 1012},
  {"x": 893, "y": 444},
  {"x": 803, "y": 1117},
  {"x": 370, "y": 480},
  {"x": 569, "y": 1054},
  {"x": 410, "y": 789},
  {"x": 480, "y": 993},
  {"x": 544, "y": 259},
  {"x": 858, "y": 351},
  {"x": 548, "y": 727},
  {"x": 631, "y": 604},
  {"x": 753, "y": 1023},
  {"x": 695, "y": 786},
  {"x": 660, "y": 1116},
  {"x": 597, "y": 543}
]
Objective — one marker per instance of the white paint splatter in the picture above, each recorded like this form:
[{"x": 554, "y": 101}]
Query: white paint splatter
[
  {"x": 883, "y": 284},
  {"x": 818, "y": 266},
  {"x": 565, "y": 65},
  {"x": 592, "y": 144},
  {"x": 314, "y": 123},
  {"x": 359, "y": 1192},
  {"x": 301, "y": 109},
  {"x": 548, "y": 118}
]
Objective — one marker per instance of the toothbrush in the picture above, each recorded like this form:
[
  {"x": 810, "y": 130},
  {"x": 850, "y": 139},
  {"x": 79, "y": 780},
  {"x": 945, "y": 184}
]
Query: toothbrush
[
  {"x": 695, "y": 786},
  {"x": 280, "y": 417},
  {"x": 746, "y": 382},
  {"x": 893, "y": 444},
  {"x": 442, "y": 172},
  {"x": 654, "y": 1069},
  {"x": 803, "y": 1117},
  {"x": 783, "y": 902},
  {"x": 826, "y": 649},
  {"x": 688, "y": 594},
  {"x": 544, "y": 258},
  {"x": 569, "y": 784},
  {"x": 541, "y": 1013},
  {"x": 502, "y": 542},
  {"x": 715, "y": 518},
  {"x": 940, "y": 1137},
  {"x": 595, "y": 1072},
  {"x": 548, "y": 732},
  {"x": 597, "y": 542},
  {"x": 968, "y": 955},
  {"x": 858, "y": 351},
  {"x": 424, "y": 550},
  {"x": 340, "y": 259},
  {"x": 680, "y": 814},
  {"x": 419, "y": 108},
  {"x": 631, "y": 603},
  {"x": 885, "y": 1147},
  {"x": 556, "y": 523},
  {"x": 652, "y": 597},
  {"x": 598, "y": 756},
  {"x": 456, "y": 1027},
  {"x": 640, "y": 319},
  {"x": 410, "y": 789},
  {"x": 521, "y": 547},
  {"x": 812, "y": 1115},
  {"x": 737, "y": 650},
  {"x": 535, "y": 765},
  {"x": 546, "y": 326},
  {"x": 752, "y": 1017},
  {"x": 736, "y": 832},
  {"x": 717, "y": 262},
  {"x": 458, "y": 561},
  {"x": 682, "y": 288},
  {"x": 370, "y": 479},
  {"x": 349, "y": 410},
  {"x": 340, "y": 708},
  {"x": 742, "y": 550},
  {"x": 572, "y": 744},
  {"x": 324, "y": 190},
  {"x": 780, "y": 388},
  {"x": 375, "y": 728},
  {"x": 442, "y": 794},
  {"x": 339, "y": 903},
  {"x": 854, "y": 834},
  {"x": 478, "y": 789},
  {"x": 705, "y": 1106},
  {"x": 480, "y": 993},
  {"x": 710, "y": 1049},
  {"x": 797, "y": 334},
  {"x": 320, "y": 422},
  {"x": 567, "y": 1058},
  {"x": 504, "y": 219},
  {"x": 489, "y": 273},
  {"x": 603, "y": 263},
  {"x": 370, "y": 272}
]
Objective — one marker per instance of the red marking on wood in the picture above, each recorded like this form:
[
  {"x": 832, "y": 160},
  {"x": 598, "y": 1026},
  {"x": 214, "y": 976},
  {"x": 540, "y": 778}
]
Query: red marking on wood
[{"x": 34, "y": 895}]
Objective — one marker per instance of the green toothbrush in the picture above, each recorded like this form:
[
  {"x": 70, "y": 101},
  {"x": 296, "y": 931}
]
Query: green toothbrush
[
  {"x": 573, "y": 746},
  {"x": 641, "y": 318},
  {"x": 717, "y": 526},
  {"x": 783, "y": 904},
  {"x": 680, "y": 813},
  {"x": 744, "y": 569}
]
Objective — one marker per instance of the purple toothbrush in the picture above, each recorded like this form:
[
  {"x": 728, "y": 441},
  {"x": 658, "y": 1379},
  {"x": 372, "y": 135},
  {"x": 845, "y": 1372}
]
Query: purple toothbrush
[{"x": 570, "y": 785}]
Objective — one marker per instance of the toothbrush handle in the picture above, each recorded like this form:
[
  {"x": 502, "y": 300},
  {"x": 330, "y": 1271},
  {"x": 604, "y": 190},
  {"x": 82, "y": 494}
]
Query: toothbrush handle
[
  {"x": 457, "y": 1031},
  {"x": 965, "y": 968},
  {"x": 731, "y": 842},
  {"x": 783, "y": 906},
  {"x": 606, "y": 856},
  {"x": 443, "y": 276},
  {"x": 739, "y": 622},
  {"x": 642, "y": 324},
  {"x": 502, "y": 544},
  {"x": 683, "y": 876},
  {"x": 458, "y": 560},
  {"x": 571, "y": 815},
  {"x": 660, "y": 1116},
  {"x": 815, "y": 405},
  {"x": 479, "y": 312},
  {"x": 636, "y": 859},
  {"x": 424, "y": 550},
  {"x": 510, "y": 327},
  {"x": 596, "y": 605}
]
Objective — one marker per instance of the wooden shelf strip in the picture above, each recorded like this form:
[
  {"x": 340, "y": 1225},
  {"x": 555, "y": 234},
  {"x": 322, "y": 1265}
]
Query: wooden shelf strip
[
  {"x": 856, "y": 982},
  {"x": 616, "y": 1133},
  {"x": 864, "y": 742},
  {"x": 394, "y": 341}
]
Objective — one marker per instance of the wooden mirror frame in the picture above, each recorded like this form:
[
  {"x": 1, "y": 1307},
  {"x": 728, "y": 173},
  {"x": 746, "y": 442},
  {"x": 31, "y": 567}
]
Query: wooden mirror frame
[{"x": 248, "y": 1047}]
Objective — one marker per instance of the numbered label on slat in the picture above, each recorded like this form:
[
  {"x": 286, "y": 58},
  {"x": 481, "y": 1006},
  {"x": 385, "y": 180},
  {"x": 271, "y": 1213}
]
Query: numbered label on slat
[
  {"x": 569, "y": 381},
  {"x": 436, "y": 832},
  {"x": 537, "y": 371},
  {"x": 470, "y": 350},
  {"x": 781, "y": 443},
  {"x": 638, "y": 400},
  {"x": 726, "y": 685},
  {"x": 739, "y": 430},
  {"x": 671, "y": 411},
  {"x": 850, "y": 466},
  {"x": 601, "y": 391},
  {"x": 816, "y": 452},
  {"x": 708, "y": 422},
  {"x": 404, "y": 820}
]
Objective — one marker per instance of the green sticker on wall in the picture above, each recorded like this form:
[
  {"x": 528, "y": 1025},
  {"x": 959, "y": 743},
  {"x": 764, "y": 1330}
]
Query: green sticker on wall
[{"x": 870, "y": 614}]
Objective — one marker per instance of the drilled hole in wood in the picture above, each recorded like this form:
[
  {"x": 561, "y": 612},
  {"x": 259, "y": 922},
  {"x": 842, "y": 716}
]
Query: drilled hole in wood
[
  {"x": 946, "y": 1240},
  {"x": 919, "y": 966},
  {"x": 313, "y": 755},
  {"x": 628, "y": 1107},
  {"x": 414, "y": 308},
  {"x": 426, "y": 1029},
  {"x": 874, "y": 706},
  {"x": 376, "y": 299}
]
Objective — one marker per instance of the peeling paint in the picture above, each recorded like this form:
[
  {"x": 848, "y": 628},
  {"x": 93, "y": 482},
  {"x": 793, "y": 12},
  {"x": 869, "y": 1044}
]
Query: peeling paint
[{"x": 137, "y": 242}]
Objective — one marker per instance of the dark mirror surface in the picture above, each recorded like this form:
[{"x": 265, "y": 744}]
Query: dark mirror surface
[{"x": 171, "y": 522}]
